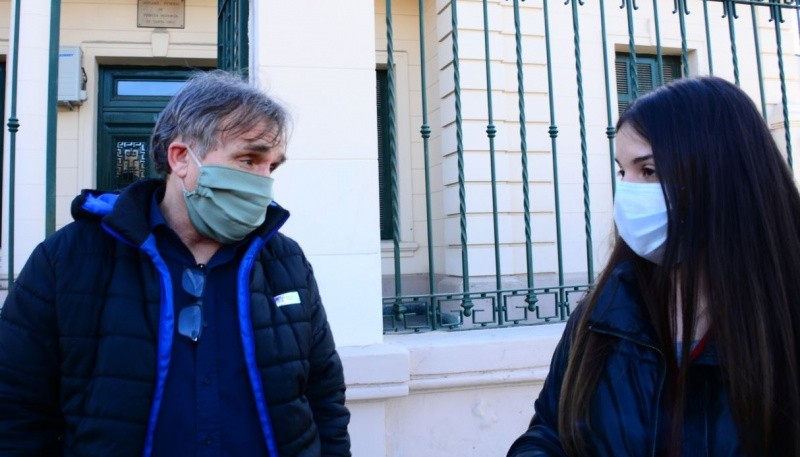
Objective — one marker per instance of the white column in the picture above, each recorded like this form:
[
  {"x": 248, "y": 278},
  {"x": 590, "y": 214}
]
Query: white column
[
  {"x": 32, "y": 82},
  {"x": 320, "y": 61}
]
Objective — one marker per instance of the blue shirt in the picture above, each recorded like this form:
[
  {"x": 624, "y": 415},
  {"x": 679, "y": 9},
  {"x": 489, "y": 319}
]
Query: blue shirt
[{"x": 208, "y": 407}]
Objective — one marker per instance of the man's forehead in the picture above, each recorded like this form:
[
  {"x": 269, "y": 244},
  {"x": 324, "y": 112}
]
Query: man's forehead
[{"x": 257, "y": 139}]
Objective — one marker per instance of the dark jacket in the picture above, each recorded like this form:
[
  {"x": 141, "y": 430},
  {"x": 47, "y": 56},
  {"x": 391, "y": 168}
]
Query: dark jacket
[
  {"x": 629, "y": 411},
  {"x": 86, "y": 334}
]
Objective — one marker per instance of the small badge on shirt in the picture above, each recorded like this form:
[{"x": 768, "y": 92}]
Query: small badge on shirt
[{"x": 289, "y": 298}]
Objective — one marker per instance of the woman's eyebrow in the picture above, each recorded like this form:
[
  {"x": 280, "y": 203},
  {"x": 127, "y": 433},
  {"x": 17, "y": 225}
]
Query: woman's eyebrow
[{"x": 636, "y": 160}]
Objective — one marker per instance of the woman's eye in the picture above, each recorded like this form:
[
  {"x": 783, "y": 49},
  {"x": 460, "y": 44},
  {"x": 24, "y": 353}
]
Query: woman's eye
[
  {"x": 649, "y": 171},
  {"x": 621, "y": 173}
]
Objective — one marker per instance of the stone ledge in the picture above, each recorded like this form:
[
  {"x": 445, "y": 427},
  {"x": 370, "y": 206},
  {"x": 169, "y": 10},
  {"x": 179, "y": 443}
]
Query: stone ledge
[{"x": 440, "y": 361}]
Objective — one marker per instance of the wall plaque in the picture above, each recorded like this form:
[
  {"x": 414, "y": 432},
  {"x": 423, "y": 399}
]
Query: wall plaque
[{"x": 161, "y": 13}]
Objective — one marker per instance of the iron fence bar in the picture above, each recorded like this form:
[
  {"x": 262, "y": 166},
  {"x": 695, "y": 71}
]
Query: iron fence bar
[
  {"x": 243, "y": 44},
  {"x": 610, "y": 130},
  {"x": 587, "y": 214},
  {"x": 491, "y": 132},
  {"x": 425, "y": 132},
  {"x": 682, "y": 9},
  {"x": 757, "y": 42},
  {"x": 659, "y": 81},
  {"x": 531, "y": 299},
  {"x": 708, "y": 38},
  {"x": 500, "y": 300},
  {"x": 13, "y": 127},
  {"x": 52, "y": 119},
  {"x": 630, "y": 5},
  {"x": 553, "y": 132},
  {"x": 391, "y": 133},
  {"x": 467, "y": 304},
  {"x": 776, "y": 15},
  {"x": 729, "y": 11}
]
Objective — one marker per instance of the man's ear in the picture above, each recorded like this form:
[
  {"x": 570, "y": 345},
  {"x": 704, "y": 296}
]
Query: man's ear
[{"x": 178, "y": 158}]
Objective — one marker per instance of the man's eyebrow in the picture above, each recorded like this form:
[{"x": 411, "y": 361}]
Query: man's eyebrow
[{"x": 258, "y": 147}]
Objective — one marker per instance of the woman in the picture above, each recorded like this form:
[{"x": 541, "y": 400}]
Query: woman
[{"x": 688, "y": 344}]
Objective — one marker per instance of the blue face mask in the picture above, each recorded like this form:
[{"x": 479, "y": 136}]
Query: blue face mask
[
  {"x": 640, "y": 213},
  {"x": 227, "y": 204}
]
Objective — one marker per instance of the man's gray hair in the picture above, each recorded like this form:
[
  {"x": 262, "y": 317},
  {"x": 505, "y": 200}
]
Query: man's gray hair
[{"x": 212, "y": 105}]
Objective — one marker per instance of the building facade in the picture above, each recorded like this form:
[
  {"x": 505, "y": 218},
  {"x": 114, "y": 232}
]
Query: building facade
[{"x": 450, "y": 164}]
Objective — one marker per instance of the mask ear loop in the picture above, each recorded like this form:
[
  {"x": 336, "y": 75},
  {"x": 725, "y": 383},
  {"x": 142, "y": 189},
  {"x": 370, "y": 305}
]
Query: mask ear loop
[{"x": 199, "y": 166}]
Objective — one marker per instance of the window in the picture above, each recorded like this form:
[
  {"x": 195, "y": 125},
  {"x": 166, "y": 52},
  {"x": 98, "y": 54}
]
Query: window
[
  {"x": 130, "y": 101},
  {"x": 232, "y": 40},
  {"x": 647, "y": 75},
  {"x": 384, "y": 161}
]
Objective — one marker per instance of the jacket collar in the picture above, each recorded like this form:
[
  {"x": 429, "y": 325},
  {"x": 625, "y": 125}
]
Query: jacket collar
[
  {"x": 620, "y": 310},
  {"x": 127, "y": 212}
]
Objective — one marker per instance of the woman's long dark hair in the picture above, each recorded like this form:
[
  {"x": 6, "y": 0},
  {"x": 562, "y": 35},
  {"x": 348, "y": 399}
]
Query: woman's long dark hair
[{"x": 734, "y": 239}]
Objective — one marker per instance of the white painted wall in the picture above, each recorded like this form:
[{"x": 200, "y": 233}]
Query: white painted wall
[
  {"x": 330, "y": 180},
  {"x": 446, "y": 394}
]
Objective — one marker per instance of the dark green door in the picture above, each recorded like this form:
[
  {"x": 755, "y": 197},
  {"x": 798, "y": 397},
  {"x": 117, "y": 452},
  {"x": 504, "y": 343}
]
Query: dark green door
[{"x": 131, "y": 99}]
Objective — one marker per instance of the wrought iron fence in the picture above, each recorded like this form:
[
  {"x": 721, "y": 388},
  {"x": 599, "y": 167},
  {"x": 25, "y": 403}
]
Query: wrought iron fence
[{"x": 546, "y": 290}]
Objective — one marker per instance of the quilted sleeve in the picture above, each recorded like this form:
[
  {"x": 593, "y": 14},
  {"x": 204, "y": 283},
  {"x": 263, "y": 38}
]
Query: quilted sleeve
[
  {"x": 30, "y": 418},
  {"x": 326, "y": 385}
]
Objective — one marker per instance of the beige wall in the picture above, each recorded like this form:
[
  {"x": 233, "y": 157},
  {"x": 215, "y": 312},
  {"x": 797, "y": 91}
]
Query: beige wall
[{"x": 107, "y": 34}]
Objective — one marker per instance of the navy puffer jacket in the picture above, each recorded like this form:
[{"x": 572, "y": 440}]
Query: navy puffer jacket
[
  {"x": 629, "y": 411},
  {"x": 86, "y": 333}
]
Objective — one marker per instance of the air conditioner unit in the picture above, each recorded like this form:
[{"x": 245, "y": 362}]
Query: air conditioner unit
[{"x": 70, "y": 76}]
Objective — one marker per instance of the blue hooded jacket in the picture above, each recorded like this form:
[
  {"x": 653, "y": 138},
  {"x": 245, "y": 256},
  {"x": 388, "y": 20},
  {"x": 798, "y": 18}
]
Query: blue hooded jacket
[
  {"x": 629, "y": 411},
  {"x": 86, "y": 334}
]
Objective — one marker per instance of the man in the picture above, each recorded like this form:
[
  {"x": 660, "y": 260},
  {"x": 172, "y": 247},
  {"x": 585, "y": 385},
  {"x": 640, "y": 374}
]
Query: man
[{"x": 172, "y": 319}]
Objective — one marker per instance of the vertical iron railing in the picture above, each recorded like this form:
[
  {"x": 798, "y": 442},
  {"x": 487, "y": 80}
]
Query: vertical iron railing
[
  {"x": 552, "y": 131},
  {"x": 611, "y": 132},
  {"x": 630, "y": 6},
  {"x": 523, "y": 149},
  {"x": 682, "y": 9},
  {"x": 391, "y": 121},
  {"x": 13, "y": 127},
  {"x": 425, "y": 132},
  {"x": 544, "y": 289},
  {"x": 466, "y": 302},
  {"x": 491, "y": 132},
  {"x": 757, "y": 45},
  {"x": 587, "y": 212},
  {"x": 776, "y": 16},
  {"x": 730, "y": 14},
  {"x": 52, "y": 119},
  {"x": 708, "y": 39}
]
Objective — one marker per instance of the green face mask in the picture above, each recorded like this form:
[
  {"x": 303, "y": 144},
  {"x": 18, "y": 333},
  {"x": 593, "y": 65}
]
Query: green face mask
[{"x": 227, "y": 204}]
